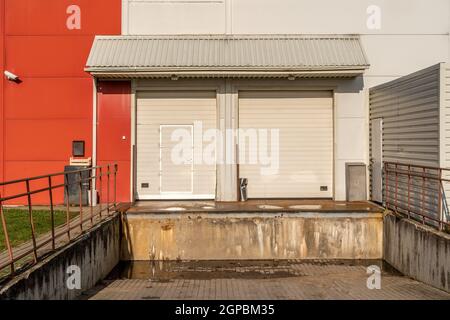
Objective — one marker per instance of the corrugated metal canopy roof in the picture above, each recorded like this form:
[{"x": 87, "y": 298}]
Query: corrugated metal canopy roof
[{"x": 226, "y": 55}]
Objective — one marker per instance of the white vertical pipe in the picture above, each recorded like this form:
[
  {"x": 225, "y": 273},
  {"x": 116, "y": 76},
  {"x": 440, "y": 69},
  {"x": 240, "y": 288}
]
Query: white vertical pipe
[
  {"x": 94, "y": 136},
  {"x": 228, "y": 16}
]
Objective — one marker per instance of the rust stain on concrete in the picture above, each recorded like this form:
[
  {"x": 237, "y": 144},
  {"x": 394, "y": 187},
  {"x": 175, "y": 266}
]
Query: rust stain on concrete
[{"x": 254, "y": 236}]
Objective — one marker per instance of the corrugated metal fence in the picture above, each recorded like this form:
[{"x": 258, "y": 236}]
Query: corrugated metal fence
[
  {"x": 409, "y": 108},
  {"x": 413, "y": 126}
]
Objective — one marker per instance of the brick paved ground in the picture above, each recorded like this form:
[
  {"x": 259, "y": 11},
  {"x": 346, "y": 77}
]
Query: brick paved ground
[{"x": 288, "y": 280}]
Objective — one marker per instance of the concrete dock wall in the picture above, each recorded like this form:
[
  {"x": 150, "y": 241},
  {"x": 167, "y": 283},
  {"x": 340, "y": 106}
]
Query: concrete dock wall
[
  {"x": 243, "y": 236},
  {"x": 417, "y": 251},
  {"x": 95, "y": 253}
]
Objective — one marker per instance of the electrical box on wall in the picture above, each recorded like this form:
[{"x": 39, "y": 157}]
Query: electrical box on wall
[
  {"x": 78, "y": 148},
  {"x": 356, "y": 181},
  {"x": 78, "y": 152}
]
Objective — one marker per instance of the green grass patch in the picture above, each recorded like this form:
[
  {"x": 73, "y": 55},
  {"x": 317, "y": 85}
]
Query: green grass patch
[{"x": 18, "y": 224}]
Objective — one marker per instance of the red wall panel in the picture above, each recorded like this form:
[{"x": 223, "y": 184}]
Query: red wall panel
[
  {"x": 52, "y": 106},
  {"x": 48, "y": 17},
  {"x": 53, "y": 98},
  {"x": 2, "y": 57},
  {"x": 45, "y": 139},
  {"x": 44, "y": 56},
  {"x": 114, "y": 123}
]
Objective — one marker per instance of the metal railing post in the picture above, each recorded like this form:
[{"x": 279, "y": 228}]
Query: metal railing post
[
  {"x": 66, "y": 187},
  {"x": 440, "y": 211},
  {"x": 386, "y": 182},
  {"x": 409, "y": 191},
  {"x": 80, "y": 198},
  {"x": 52, "y": 213},
  {"x": 423, "y": 196},
  {"x": 91, "y": 191},
  {"x": 396, "y": 188},
  {"x": 107, "y": 189},
  {"x": 30, "y": 215},
  {"x": 6, "y": 235},
  {"x": 115, "y": 186},
  {"x": 101, "y": 189}
]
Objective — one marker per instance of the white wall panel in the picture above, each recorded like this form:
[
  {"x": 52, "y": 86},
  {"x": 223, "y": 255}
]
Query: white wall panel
[
  {"x": 393, "y": 56},
  {"x": 343, "y": 16},
  {"x": 414, "y": 34},
  {"x": 175, "y": 17}
]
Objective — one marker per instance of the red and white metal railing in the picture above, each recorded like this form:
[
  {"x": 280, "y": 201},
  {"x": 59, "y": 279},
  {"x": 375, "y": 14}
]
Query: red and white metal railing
[
  {"x": 419, "y": 192},
  {"x": 63, "y": 233}
]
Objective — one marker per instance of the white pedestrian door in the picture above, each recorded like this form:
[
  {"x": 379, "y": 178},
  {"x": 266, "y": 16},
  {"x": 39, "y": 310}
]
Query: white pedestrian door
[
  {"x": 176, "y": 159},
  {"x": 377, "y": 160},
  {"x": 159, "y": 114}
]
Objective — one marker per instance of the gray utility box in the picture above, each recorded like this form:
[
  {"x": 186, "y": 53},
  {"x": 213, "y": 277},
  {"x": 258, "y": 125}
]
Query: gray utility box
[
  {"x": 74, "y": 187},
  {"x": 356, "y": 181}
]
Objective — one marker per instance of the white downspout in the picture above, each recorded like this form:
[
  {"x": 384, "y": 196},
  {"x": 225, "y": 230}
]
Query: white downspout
[
  {"x": 94, "y": 137},
  {"x": 228, "y": 16}
]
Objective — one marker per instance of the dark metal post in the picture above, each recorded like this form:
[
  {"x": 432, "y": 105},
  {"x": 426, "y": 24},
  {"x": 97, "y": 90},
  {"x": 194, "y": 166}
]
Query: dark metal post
[
  {"x": 396, "y": 187},
  {"x": 423, "y": 195},
  {"x": 115, "y": 186},
  {"x": 91, "y": 191},
  {"x": 107, "y": 189},
  {"x": 101, "y": 190},
  {"x": 409, "y": 191},
  {"x": 386, "y": 172},
  {"x": 440, "y": 211},
  {"x": 66, "y": 186},
  {"x": 52, "y": 213},
  {"x": 80, "y": 198}
]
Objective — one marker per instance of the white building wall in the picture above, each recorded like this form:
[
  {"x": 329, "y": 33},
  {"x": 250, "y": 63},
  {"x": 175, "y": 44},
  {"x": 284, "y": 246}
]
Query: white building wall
[
  {"x": 412, "y": 35},
  {"x": 173, "y": 17},
  {"x": 351, "y": 134}
]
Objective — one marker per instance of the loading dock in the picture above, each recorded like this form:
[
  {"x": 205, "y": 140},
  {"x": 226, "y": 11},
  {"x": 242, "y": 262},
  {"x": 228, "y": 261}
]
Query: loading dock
[{"x": 301, "y": 96}]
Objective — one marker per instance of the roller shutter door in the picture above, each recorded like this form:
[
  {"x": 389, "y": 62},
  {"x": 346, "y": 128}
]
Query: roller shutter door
[{"x": 305, "y": 162}]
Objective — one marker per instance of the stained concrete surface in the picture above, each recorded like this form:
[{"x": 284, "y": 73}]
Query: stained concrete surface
[
  {"x": 252, "y": 236},
  {"x": 255, "y": 229},
  {"x": 252, "y": 205},
  {"x": 417, "y": 250},
  {"x": 271, "y": 280},
  {"x": 95, "y": 253}
]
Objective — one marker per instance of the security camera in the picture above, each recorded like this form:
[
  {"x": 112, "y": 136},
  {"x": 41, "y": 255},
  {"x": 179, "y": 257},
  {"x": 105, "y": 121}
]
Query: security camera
[{"x": 11, "y": 76}]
